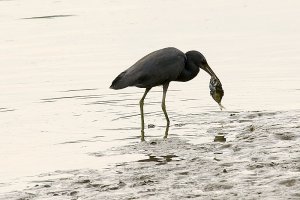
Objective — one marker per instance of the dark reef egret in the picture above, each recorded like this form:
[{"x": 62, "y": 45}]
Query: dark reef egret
[{"x": 160, "y": 68}]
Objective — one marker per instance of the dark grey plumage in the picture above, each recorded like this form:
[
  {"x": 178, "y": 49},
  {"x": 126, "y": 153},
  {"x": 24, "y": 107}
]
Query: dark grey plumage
[{"x": 160, "y": 68}]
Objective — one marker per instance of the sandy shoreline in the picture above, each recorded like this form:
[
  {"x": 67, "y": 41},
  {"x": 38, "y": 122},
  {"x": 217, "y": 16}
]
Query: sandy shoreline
[{"x": 260, "y": 161}]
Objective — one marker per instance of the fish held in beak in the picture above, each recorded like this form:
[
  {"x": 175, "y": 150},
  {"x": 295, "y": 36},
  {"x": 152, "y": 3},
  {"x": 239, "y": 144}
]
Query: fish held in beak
[{"x": 216, "y": 90}]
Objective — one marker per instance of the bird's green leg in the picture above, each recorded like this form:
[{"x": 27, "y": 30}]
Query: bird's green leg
[
  {"x": 142, "y": 114},
  {"x": 163, "y": 106}
]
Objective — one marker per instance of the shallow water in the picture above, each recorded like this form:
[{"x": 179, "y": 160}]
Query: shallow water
[{"x": 59, "y": 58}]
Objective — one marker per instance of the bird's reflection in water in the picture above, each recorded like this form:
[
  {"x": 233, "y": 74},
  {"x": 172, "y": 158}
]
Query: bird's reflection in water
[{"x": 161, "y": 160}]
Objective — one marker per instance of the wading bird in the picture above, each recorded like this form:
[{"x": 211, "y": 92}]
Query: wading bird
[{"x": 160, "y": 68}]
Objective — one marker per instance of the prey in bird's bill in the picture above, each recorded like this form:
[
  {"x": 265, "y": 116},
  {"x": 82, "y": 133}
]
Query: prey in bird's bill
[{"x": 216, "y": 90}]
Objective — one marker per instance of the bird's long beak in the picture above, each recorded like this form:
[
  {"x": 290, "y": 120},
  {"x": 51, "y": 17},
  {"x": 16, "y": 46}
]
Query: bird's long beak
[{"x": 209, "y": 70}]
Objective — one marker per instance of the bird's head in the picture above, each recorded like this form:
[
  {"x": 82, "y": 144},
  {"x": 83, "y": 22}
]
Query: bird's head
[{"x": 198, "y": 59}]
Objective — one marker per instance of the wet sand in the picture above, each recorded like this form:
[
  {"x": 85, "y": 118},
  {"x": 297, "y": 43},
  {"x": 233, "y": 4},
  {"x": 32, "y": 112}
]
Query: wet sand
[
  {"x": 65, "y": 135},
  {"x": 259, "y": 160}
]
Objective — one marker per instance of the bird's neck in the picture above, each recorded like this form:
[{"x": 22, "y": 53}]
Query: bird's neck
[{"x": 189, "y": 72}]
